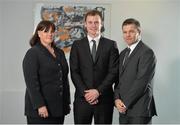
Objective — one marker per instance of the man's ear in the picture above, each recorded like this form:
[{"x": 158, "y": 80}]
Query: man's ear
[
  {"x": 102, "y": 27},
  {"x": 84, "y": 27},
  {"x": 139, "y": 30}
]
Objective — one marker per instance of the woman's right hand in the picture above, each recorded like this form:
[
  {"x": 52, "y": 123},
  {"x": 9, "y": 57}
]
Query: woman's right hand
[{"x": 43, "y": 112}]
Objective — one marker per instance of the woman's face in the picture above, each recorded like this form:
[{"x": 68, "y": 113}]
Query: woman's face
[{"x": 46, "y": 37}]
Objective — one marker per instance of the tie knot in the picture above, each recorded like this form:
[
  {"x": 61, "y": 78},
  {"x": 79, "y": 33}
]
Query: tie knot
[
  {"x": 126, "y": 55},
  {"x": 93, "y": 41},
  {"x": 128, "y": 49},
  {"x": 127, "y": 52}
]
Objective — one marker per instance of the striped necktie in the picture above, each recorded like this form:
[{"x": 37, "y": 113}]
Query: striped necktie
[{"x": 126, "y": 56}]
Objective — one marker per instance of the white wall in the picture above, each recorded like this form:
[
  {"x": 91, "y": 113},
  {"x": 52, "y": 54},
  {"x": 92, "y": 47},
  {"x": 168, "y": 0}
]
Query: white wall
[
  {"x": 178, "y": 56},
  {"x": 160, "y": 22},
  {"x": 0, "y": 56},
  {"x": 17, "y": 29}
]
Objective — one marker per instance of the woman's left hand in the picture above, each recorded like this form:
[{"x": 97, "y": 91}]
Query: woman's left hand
[{"x": 43, "y": 112}]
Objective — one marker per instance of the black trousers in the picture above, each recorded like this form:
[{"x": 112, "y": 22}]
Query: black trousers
[
  {"x": 123, "y": 119},
  {"x": 49, "y": 120},
  {"x": 84, "y": 113}
]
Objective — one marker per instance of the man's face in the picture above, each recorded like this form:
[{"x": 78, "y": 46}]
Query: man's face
[
  {"x": 130, "y": 33},
  {"x": 93, "y": 25}
]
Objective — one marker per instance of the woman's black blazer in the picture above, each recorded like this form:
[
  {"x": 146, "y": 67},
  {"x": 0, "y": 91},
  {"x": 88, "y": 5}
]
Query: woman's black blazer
[{"x": 46, "y": 81}]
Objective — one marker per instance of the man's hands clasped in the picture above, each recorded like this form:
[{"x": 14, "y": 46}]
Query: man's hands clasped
[{"x": 91, "y": 96}]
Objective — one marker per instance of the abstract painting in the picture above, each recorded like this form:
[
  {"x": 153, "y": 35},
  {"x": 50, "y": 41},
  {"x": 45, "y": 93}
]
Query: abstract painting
[{"x": 69, "y": 21}]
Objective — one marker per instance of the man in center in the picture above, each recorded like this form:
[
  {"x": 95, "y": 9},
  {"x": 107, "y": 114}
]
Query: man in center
[{"x": 94, "y": 68}]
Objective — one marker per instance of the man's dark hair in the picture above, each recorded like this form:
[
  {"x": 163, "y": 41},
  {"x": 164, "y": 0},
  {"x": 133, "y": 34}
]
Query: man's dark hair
[
  {"x": 93, "y": 13},
  {"x": 132, "y": 21}
]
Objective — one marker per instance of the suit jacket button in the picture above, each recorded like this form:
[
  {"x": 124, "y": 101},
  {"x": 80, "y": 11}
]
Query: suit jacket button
[
  {"x": 61, "y": 93},
  {"x": 61, "y": 86}
]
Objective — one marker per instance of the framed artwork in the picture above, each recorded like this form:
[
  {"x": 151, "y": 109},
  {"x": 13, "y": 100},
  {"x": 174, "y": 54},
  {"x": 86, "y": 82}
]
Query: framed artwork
[{"x": 69, "y": 21}]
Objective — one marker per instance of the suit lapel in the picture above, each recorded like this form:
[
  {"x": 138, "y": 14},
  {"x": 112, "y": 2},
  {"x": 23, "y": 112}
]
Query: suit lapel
[
  {"x": 99, "y": 49},
  {"x": 136, "y": 49},
  {"x": 87, "y": 49}
]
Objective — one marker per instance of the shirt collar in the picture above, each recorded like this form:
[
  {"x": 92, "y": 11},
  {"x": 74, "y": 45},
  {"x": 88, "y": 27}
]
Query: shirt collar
[
  {"x": 133, "y": 46},
  {"x": 96, "y": 38}
]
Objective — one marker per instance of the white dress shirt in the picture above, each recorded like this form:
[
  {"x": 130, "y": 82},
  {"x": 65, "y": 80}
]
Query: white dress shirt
[
  {"x": 133, "y": 46},
  {"x": 91, "y": 43}
]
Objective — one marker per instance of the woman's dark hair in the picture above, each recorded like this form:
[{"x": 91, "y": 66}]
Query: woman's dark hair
[{"x": 43, "y": 25}]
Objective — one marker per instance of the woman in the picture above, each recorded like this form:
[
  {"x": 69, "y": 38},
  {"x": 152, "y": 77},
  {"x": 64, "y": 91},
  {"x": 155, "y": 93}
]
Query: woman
[{"x": 47, "y": 97}]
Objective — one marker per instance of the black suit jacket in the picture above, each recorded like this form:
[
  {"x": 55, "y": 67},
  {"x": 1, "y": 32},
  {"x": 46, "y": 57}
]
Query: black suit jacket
[
  {"x": 46, "y": 80},
  {"x": 100, "y": 74},
  {"x": 135, "y": 86}
]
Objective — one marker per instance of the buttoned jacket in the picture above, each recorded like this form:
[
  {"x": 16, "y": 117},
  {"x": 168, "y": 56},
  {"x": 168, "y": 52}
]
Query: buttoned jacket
[{"x": 46, "y": 81}]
